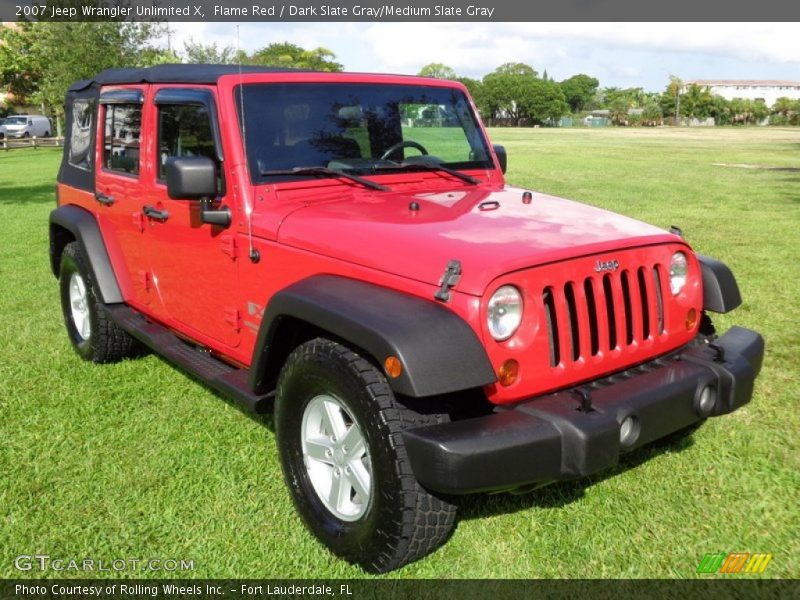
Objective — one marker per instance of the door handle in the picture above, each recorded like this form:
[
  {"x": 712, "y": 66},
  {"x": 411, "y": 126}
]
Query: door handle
[
  {"x": 151, "y": 212},
  {"x": 103, "y": 199}
]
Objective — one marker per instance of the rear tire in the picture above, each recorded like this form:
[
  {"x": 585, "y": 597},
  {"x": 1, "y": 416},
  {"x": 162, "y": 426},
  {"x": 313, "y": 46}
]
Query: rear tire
[
  {"x": 94, "y": 336},
  {"x": 380, "y": 517}
]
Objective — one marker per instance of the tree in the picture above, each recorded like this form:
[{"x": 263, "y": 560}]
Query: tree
[
  {"x": 544, "y": 102},
  {"x": 619, "y": 111},
  {"x": 670, "y": 99},
  {"x": 473, "y": 85},
  {"x": 630, "y": 97},
  {"x": 745, "y": 111},
  {"x": 578, "y": 91},
  {"x": 651, "y": 114},
  {"x": 512, "y": 68},
  {"x": 293, "y": 56},
  {"x": 521, "y": 95},
  {"x": 720, "y": 110},
  {"x": 198, "y": 53},
  {"x": 39, "y": 61},
  {"x": 501, "y": 94},
  {"x": 438, "y": 71},
  {"x": 697, "y": 102},
  {"x": 784, "y": 106}
]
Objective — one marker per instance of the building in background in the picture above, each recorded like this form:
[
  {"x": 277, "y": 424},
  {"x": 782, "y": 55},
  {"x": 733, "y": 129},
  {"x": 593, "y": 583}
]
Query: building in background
[{"x": 768, "y": 91}]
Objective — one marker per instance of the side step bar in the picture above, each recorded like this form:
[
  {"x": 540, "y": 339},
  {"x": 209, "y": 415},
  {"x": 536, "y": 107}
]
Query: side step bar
[{"x": 226, "y": 379}]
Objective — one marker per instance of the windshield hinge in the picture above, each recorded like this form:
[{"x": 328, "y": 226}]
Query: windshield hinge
[
  {"x": 228, "y": 246},
  {"x": 452, "y": 274}
]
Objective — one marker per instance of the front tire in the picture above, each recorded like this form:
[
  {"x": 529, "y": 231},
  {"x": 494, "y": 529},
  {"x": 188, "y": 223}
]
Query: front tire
[
  {"x": 339, "y": 430},
  {"x": 93, "y": 335}
]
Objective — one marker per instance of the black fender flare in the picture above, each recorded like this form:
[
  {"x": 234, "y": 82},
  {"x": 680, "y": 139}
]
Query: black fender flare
[
  {"x": 439, "y": 351},
  {"x": 720, "y": 290},
  {"x": 84, "y": 228}
]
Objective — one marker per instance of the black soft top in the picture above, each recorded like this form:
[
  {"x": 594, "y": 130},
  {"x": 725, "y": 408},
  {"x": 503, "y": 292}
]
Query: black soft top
[{"x": 208, "y": 74}]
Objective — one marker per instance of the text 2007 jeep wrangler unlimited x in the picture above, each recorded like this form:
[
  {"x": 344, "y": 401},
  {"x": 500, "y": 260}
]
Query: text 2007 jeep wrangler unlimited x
[{"x": 345, "y": 245}]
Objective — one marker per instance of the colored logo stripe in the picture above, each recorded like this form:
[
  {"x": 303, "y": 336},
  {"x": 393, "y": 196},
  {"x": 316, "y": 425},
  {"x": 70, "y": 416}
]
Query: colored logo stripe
[
  {"x": 758, "y": 563},
  {"x": 711, "y": 563},
  {"x": 734, "y": 562}
]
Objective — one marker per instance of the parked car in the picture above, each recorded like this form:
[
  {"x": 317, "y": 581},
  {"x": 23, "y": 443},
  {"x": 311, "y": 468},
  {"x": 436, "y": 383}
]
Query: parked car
[
  {"x": 24, "y": 126},
  {"x": 423, "y": 329}
]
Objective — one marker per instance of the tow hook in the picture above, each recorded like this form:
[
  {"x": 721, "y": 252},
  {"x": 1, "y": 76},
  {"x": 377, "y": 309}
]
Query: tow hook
[{"x": 585, "y": 398}]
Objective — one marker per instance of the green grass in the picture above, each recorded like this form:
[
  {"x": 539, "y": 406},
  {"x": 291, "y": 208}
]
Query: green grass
[{"x": 136, "y": 460}]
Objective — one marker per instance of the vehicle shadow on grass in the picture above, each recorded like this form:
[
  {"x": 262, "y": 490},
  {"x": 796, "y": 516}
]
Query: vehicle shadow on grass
[
  {"x": 478, "y": 506},
  {"x": 563, "y": 493},
  {"x": 28, "y": 194}
]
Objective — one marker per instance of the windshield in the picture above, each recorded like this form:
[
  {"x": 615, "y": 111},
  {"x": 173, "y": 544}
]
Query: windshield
[
  {"x": 16, "y": 121},
  {"x": 358, "y": 128}
]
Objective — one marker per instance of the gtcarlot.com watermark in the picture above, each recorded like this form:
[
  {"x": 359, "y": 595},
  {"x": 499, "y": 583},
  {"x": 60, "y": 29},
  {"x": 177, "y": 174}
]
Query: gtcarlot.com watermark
[{"x": 45, "y": 562}]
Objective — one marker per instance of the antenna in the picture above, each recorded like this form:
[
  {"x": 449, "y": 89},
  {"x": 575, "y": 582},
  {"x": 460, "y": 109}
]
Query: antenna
[{"x": 253, "y": 253}]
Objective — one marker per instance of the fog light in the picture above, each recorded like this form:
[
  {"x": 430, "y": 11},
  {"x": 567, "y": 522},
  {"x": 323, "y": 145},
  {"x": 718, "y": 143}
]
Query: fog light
[
  {"x": 706, "y": 400},
  {"x": 629, "y": 431},
  {"x": 508, "y": 372}
]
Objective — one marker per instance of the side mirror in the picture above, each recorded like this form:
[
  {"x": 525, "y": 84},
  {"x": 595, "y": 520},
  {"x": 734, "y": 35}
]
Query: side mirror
[
  {"x": 195, "y": 178},
  {"x": 191, "y": 178},
  {"x": 500, "y": 151}
]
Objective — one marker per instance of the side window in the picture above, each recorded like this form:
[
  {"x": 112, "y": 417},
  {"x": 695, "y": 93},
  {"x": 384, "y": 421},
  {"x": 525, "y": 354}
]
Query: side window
[
  {"x": 80, "y": 135},
  {"x": 121, "y": 142},
  {"x": 183, "y": 130}
]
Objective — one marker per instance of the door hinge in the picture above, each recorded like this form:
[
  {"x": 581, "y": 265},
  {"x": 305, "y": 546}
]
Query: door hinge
[
  {"x": 145, "y": 280},
  {"x": 138, "y": 221},
  {"x": 228, "y": 246},
  {"x": 233, "y": 317}
]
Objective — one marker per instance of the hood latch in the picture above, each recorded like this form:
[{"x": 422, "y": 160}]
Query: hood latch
[{"x": 452, "y": 275}]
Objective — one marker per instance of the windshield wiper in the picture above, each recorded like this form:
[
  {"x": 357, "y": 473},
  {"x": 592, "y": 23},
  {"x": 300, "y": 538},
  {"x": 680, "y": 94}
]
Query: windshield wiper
[
  {"x": 326, "y": 172},
  {"x": 428, "y": 167}
]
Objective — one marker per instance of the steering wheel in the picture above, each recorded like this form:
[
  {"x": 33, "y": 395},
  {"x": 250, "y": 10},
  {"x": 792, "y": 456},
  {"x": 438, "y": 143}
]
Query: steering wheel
[{"x": 404, "y": 144}]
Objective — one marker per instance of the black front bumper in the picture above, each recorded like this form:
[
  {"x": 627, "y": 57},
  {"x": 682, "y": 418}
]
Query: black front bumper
[{"x": 550, "y": 438}]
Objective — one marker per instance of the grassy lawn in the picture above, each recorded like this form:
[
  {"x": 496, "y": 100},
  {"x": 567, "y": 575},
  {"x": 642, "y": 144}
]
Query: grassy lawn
[{"x": 136, "y": 460}]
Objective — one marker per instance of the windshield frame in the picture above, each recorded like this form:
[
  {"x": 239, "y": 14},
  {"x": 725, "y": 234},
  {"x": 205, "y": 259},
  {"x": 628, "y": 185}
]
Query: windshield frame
[{"x": 474, "y": 134}]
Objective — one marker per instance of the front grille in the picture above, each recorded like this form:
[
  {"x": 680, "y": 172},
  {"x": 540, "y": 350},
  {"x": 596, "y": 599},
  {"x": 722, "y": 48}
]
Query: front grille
[{"x": 604, "y": 312}]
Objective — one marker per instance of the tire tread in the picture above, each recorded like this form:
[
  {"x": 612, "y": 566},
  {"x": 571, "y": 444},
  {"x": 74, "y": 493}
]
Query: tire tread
[
  {"x": 425, "y": 520},
  {"x": 109, "y": 342}
]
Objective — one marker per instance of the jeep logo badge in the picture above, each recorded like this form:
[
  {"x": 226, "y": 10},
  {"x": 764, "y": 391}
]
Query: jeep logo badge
[{"x": 606, "y": 265}]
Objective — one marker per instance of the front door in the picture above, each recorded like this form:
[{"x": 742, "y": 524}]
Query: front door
[
  {"x": 119, "y": 183},
  {"x": 193, "y": 265}
]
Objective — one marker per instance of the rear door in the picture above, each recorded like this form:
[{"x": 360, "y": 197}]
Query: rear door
[{"x": 193, "y": 264}]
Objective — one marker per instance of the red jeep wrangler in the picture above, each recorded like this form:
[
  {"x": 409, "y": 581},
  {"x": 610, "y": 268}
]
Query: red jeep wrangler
[{"x": 344, "y": 246}]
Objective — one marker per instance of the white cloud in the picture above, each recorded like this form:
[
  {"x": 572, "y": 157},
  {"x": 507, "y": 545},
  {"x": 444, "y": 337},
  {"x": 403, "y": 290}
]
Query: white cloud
[{"x": 627, "y": 54}]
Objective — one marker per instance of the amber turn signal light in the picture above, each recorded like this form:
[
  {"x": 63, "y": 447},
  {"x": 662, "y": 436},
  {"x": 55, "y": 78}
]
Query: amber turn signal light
[
  {"x": 393, "y": 366},
  {"x": 691, "y": 319},
  {"x": 508, "y": 372}
]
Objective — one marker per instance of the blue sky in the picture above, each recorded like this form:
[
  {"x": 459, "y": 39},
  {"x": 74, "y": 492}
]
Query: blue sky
[{"x": 618, "y": 54}]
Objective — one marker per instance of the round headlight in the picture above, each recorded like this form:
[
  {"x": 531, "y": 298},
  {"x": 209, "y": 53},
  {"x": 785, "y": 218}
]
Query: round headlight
[
  {"x": 678, "y": 268},
  {"x": 505, "y": 312}
]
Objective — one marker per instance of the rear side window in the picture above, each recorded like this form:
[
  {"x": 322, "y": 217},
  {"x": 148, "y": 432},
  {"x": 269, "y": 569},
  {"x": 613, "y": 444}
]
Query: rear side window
[
  {"x": 80, "y": 135},
  {"x": 121, "y": 143},
  {"x": 183, "y": 130}
]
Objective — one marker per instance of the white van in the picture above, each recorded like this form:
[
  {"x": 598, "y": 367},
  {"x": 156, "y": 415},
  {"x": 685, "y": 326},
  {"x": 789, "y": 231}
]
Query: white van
[{"x": 23, "y": 126}]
